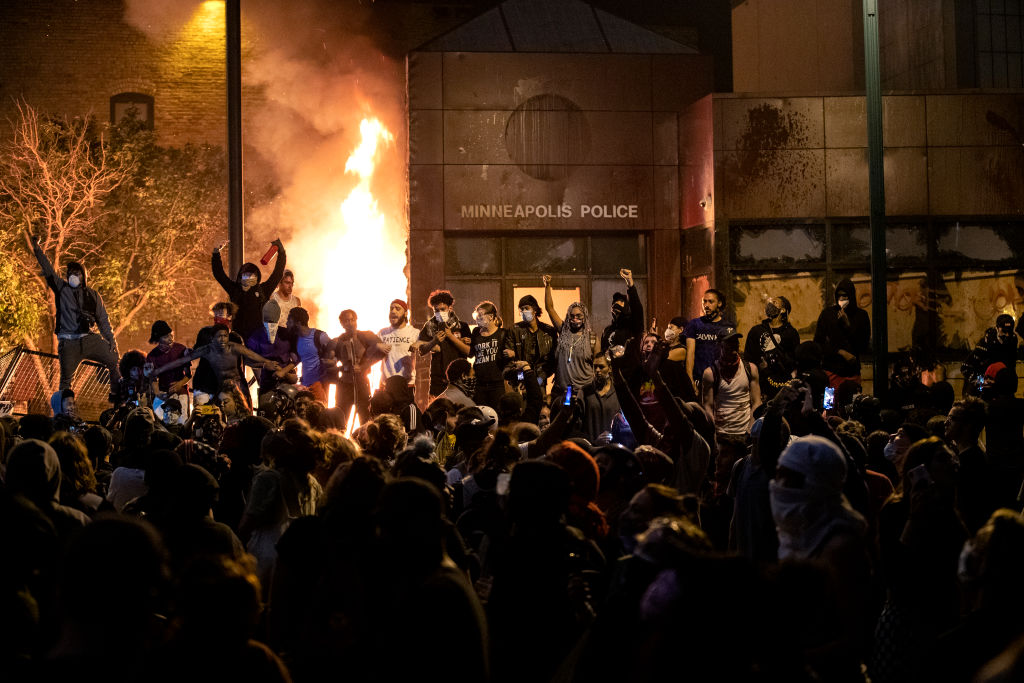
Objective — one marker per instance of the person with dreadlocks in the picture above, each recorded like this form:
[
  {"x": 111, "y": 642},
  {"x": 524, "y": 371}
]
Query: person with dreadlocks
[{"x": 576, "y": 340}]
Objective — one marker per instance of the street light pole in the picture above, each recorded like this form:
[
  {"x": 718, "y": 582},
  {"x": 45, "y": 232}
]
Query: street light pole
[
  {"x": 233, "y": 27},
  {"x": 876, "y": 183}
]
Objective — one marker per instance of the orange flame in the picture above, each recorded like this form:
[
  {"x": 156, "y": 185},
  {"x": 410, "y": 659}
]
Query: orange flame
[{"x": 361, "y": 251}]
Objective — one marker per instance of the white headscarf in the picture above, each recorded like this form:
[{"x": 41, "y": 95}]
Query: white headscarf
[{"x": 806, "y": 517}]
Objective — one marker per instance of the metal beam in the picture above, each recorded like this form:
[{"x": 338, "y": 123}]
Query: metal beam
[
  {"x": 236, "y": 248},
  {"x": 876, "y": 183}
]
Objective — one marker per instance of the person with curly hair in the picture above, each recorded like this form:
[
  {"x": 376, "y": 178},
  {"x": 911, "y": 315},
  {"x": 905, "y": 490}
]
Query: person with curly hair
[
  {"x": 382, "y": 438},
  {"x": 78, "y": 478}
]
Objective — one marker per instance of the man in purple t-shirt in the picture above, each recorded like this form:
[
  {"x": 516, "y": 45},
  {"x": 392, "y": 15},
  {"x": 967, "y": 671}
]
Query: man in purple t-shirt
[{"x": 703, "y": 334}]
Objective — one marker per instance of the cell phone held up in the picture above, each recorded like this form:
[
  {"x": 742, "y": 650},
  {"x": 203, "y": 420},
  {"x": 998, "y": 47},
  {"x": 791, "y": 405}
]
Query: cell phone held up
[{"x": 830, "y": 398}]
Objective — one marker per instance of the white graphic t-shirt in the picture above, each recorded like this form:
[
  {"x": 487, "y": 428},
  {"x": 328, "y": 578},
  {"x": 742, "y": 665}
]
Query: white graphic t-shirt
[{"x": 398, "y": 362}]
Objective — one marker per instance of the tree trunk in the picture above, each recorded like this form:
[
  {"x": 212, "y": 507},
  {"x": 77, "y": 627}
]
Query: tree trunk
[{"x": 130, "y": 315}]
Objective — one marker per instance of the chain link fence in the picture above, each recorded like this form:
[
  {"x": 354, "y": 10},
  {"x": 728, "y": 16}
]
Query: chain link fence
[{"x": 28, "y": 379}]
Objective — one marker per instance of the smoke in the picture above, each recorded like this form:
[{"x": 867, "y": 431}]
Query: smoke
[
  {"x": 310, "y": 75},
  {"x": 159, "y": 20}
]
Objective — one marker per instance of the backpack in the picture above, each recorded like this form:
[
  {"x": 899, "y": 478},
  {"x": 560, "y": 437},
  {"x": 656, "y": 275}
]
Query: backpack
[
  {"x": 322, "y": 350},
  {"x": 715, "y": 376}
]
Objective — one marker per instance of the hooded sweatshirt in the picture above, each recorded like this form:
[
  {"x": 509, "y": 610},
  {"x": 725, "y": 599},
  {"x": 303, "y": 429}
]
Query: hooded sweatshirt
[
  {"x": 250, "y": 303},
  {"x": 627, "y": 324},
  {"x": 807, "y": 517},
  {"x": 78, "y": 308},
  {"x": 852, "y": 335},
  {"x": 33, "y": 471}
]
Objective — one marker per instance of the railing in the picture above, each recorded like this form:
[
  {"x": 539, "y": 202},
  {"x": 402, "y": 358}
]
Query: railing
[{"x": 28, "y": 379}]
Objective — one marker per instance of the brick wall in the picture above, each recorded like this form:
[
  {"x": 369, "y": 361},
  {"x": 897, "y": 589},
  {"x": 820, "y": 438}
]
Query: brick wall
[{"x": 69, "y": 57}]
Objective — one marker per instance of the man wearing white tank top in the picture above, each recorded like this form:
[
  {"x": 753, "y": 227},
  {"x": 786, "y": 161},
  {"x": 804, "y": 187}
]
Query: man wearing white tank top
[{"x": 731, "y": 394}]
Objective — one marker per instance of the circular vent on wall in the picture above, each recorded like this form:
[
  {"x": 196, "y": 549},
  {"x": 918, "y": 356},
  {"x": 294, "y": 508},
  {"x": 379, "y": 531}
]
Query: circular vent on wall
[{"x": 546, "y": 135}]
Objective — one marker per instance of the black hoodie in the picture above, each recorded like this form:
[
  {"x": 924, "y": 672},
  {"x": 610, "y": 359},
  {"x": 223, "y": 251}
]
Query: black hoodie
[
  {"x": 628, "y": 324},
  {"x": 852, "y": 334},
  {"x": 250, "y": 304}
]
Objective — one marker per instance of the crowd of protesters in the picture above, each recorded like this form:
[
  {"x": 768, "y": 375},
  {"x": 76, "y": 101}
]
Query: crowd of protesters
[{"x": 571, "y": 504}]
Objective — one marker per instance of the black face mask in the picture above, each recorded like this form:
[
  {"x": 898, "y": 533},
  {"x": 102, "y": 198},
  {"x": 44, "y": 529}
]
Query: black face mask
[{"x": 575, "y": 326}]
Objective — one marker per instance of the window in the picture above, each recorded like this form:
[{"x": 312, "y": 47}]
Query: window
[
  {"x": 946, "y": 280},
  {"x": 500, "y": 268},
  {"x": 999, "y": 43},
  {"x": 123, "y": 104}
]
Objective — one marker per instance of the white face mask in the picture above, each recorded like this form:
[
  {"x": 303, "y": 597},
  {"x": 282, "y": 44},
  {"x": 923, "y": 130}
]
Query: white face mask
[
  {"x": 671, "y": 335},
  {"x": 527, "y": 315},
  {"x": 74, "y": 280},
  {"x": 843, "y": 302},
  {"x": 442, "y": 316},
  {"x": 788, "y": 506}
]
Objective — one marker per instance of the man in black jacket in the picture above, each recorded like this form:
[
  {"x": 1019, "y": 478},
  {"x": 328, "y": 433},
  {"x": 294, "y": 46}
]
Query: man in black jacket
[
  {"x": 535, "y": 342},
  {"x": 79, "y": 313},
  {"x": 246, "y": 291},
  {"x": 844, "y": 332}
]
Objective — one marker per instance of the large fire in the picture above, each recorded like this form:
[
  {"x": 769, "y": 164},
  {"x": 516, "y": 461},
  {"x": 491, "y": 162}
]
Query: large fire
[{"x": 361, "y": 252}]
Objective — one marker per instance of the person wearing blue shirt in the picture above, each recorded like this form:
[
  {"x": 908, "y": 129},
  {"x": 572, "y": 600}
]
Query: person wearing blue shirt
[{"x": 703, "y": 334}]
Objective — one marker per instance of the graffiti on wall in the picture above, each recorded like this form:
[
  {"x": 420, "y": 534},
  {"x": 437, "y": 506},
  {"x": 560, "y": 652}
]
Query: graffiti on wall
[{"x": 975, "y": 299}]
